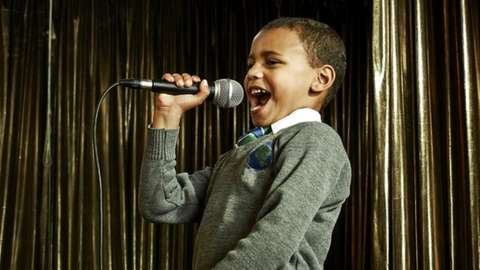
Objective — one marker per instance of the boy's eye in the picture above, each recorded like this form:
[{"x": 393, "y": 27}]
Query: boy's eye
[
  {"x": 268, "y": 62},
  {"x": 272, "y": 62}
]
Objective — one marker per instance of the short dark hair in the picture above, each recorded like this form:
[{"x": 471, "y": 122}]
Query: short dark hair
[{"x": 322, "y": 44}]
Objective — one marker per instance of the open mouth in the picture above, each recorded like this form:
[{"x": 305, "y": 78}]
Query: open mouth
[{"x": 258, "y": 98}]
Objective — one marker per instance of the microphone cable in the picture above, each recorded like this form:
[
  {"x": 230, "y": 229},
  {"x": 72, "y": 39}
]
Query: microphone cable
[{"x": 99, "y": 173}]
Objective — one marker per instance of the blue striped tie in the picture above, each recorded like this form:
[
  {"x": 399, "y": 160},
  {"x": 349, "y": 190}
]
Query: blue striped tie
[{"x": 253, "y": 135}]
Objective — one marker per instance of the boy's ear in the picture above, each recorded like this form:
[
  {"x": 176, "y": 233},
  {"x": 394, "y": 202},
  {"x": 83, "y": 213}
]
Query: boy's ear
[{"x": 325, "y": 76}]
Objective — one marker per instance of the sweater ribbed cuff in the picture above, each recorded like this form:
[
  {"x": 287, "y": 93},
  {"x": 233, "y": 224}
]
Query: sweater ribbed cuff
[{"x": 161, "y": 144}]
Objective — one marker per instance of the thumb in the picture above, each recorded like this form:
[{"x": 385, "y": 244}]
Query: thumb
[{"x": 204, "y": 90}]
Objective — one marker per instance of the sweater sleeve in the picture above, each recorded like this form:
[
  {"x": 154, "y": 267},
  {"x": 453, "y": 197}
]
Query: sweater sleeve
[
  {"x": 308, "y": 171},
  {"x": 165, "y": 196}
]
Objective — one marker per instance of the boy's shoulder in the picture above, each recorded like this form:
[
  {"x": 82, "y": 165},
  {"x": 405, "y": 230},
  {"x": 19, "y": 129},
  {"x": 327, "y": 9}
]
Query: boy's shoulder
[
  {"x": 311, "y": 135},
  {"x": 311, "y": 131}
]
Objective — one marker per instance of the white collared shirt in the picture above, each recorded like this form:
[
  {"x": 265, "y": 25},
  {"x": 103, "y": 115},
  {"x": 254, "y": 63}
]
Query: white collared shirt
[{"x": 297, "y": 116}]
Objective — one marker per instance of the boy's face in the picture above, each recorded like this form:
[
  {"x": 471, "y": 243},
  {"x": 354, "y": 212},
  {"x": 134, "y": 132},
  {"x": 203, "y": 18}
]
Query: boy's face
[{"x": 279, "y": 77}]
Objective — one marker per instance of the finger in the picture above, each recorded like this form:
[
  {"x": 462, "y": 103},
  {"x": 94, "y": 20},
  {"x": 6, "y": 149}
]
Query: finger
[
  {"x": 168, "y": 77},
  {"x": 187, "y": 79},
  {"x": 178, "y": 79},
  {"x": 196, "y": 79}
]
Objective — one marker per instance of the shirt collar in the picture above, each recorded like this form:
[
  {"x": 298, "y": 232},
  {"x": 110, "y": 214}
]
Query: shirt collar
[{"x": 296, "y": 117}]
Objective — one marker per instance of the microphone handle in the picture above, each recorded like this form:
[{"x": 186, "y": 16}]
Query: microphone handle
[
  {"x": 172, "y": 89},
  {"x": 164, "y": 87}
]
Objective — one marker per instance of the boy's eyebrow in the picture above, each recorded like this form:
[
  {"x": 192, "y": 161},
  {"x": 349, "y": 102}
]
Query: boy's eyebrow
[
  {"x": 270, "y": 53},
  {"x": 265, "y": 53}
]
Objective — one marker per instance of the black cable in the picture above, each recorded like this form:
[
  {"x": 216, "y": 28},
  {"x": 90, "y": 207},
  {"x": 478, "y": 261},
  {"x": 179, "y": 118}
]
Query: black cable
[{"x": 99, "y": 173}]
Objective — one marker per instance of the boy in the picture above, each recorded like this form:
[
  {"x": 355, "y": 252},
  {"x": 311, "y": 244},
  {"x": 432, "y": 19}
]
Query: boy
[{"x": 270, "y": 203}]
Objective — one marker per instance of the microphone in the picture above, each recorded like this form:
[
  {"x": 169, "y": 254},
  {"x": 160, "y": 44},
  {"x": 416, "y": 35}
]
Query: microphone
[{"x": 225, "y": 93}]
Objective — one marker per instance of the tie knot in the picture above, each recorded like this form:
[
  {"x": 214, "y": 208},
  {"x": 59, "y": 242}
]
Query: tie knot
[{"x": 253, "y": 135}]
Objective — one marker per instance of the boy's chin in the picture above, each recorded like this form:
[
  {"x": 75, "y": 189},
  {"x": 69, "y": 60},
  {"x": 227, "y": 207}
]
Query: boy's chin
[{"x": 260, "y": 122}]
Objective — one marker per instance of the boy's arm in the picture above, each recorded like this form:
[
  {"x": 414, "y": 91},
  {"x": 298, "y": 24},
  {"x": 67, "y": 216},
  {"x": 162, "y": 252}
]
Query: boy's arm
[
  {"x": 165, "y": 196},
  {"x": 307, "y": 173}
]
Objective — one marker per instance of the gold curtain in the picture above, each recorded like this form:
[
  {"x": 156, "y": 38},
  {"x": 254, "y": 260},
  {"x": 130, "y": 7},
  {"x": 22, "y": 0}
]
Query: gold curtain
[
  {"x": 425, "y": 204},
  {"x": 409, "y": 115}
]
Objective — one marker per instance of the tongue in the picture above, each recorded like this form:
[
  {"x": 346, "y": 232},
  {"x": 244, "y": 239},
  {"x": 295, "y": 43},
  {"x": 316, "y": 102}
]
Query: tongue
[{"x": 252, "y": 109}]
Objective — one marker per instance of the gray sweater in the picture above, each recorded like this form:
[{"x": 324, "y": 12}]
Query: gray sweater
[{"x": 269, "y": 204}]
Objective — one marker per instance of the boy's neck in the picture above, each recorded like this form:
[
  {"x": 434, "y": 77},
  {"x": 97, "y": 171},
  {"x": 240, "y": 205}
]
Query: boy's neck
[{"x": 298, "y": 116}]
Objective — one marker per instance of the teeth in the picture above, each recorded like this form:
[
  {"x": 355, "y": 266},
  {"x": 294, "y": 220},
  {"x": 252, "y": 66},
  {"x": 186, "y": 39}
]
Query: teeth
[{"x": 257, "y": 91}]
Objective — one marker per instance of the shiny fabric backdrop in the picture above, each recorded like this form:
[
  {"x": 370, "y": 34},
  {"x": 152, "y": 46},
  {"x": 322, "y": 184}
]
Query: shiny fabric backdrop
[{"x": 408, "y": 114}]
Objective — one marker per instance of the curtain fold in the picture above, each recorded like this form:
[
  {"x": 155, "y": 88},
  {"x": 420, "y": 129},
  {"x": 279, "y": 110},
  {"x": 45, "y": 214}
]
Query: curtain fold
[
  {"x": 408, "y": 113},
  {"x": 427, "y": 123}
]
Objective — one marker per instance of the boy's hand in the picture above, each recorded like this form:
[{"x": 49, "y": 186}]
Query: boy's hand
[{"x": 169, "y": 108}]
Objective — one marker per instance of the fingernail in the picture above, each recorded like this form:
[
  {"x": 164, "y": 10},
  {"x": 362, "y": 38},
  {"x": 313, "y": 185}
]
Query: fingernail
[{"x": 204, "y": 82}]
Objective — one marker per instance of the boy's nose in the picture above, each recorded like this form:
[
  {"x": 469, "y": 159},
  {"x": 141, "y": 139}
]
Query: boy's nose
[{"x": 254, "y": 72}]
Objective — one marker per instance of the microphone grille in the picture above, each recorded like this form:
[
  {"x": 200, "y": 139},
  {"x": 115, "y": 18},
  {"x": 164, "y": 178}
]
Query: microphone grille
[{"x": 228, "y": 93}]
